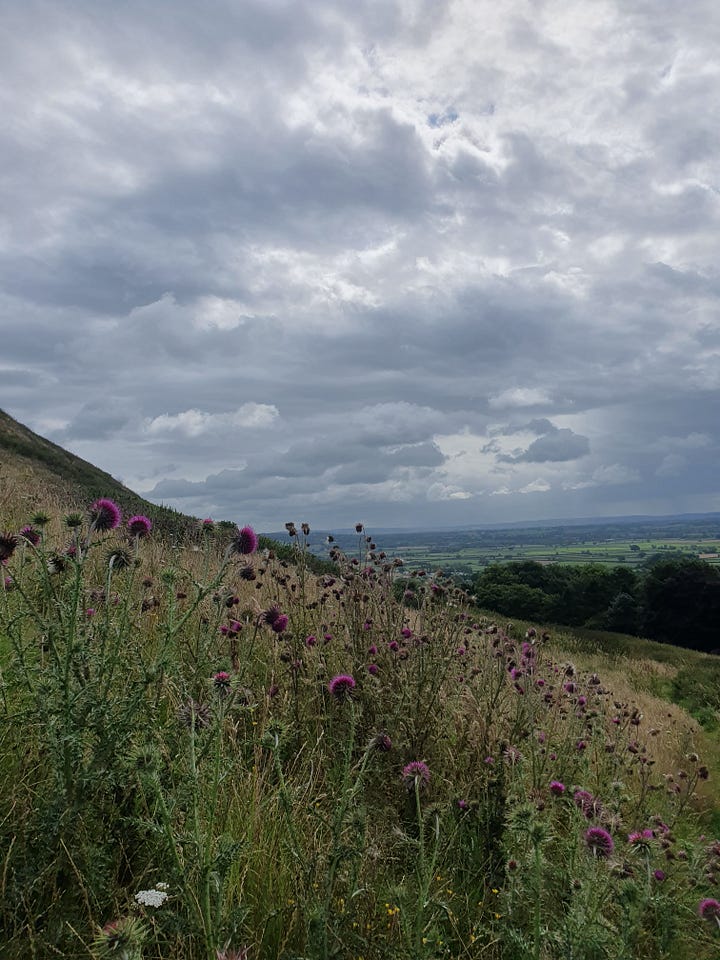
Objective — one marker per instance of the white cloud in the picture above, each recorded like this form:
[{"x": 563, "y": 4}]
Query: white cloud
[
  {"x": 519, "y": 397},
  {"x": 194, "y": 423}
]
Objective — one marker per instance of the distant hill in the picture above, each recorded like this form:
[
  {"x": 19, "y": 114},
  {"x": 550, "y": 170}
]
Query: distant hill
[{"x": 34, "y": 472}]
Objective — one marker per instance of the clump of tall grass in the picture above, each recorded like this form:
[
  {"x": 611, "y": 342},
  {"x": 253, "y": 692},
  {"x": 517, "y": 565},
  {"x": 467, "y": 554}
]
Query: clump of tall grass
[{"x": 212, "y": 751}]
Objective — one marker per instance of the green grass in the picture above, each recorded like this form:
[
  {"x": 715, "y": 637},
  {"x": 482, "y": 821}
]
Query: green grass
[{"x": 281, "y": 822}]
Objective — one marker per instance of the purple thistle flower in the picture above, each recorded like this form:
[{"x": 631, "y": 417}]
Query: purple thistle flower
[
  {"x": 310, "y": 641},
  {"x": 557, "y": 788},
  {"x": 271, "y": 615},
  {"x": 245, "y": 541},
  {"x": 373, "y": 669},
  {"x": 599, "y": 842},
  {"x": 139, "y": 526},
  {"x": 8, "y": 545},
  {"x": 416, "y": 773},
  {"x": 341, "y": 686},
  {"x": 281, "y": 623},
  {"x": 382, "y": 742},
  {"x": 586, "y": 802},
  {"x": 709, "y": 909},
  {"x": 31, "y": 535},
  {"x": 641, "y": 839},
  {"x": 221, "y": 682},
  {"x": 406, "y": 632},
  {"x": 394, "y": 646},
  {"x": 659, "y": 875},
  {"x": 105, "y": 515}
]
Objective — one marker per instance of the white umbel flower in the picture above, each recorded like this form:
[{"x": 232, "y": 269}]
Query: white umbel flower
[{"x": 152, "y": 898}]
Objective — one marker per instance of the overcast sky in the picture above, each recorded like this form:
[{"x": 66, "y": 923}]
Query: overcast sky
[{"x": 408, "y": 262}]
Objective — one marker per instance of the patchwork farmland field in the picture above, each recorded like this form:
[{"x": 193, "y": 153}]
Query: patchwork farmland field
[{"x": 626, "y": 543}]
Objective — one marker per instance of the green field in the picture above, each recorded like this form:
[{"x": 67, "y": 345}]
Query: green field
[
  {"x": 632, "y": 552},
  {"x": 468, "y": 551}
]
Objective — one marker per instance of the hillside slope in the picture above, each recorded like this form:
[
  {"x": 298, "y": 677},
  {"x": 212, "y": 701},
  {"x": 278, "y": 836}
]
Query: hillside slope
[{"x": 35, "y": 472}]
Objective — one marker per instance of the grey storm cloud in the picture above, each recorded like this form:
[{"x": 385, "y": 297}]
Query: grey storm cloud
[
  {"x": 440, "y": 262},
  {"x": 556, "y": 446}
]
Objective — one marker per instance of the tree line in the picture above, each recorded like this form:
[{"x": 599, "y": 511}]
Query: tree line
[{"x": 673, "y": 600}]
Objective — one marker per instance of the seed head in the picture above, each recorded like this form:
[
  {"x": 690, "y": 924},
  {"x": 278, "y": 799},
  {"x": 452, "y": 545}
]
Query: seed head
[{"x": 194, "y": 715}]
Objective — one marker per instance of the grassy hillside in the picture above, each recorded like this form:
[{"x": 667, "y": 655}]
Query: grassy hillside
[
  {"x": 214, "y": 754},
  {"x": 35, "y": 472}
]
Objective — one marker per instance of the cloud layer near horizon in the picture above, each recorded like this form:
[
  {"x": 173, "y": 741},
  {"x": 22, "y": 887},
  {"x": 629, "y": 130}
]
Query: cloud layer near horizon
[{"x": 406, "y": 262}]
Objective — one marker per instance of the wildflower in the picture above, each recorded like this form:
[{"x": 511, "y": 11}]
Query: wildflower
[
  {"x": 151, "y": 898},
  {"x": 118, "y": 559},
  {"x": 221, "y": 682},
  {"x": 105, "y": 515},
  {"x": 274, "y": 619},
  {"x": 416, "y": 773},
  {"x": 121, "y": 939},
  {"x": 557, "y": 788},
  {"x": 512, "y": 755},
  {"x": 640, "y": 839},
  {"x": 341, "y": 686},
  {"x": 207, "y": 525},
  {"x": 8, "y": 583},
  {"x": 244, "y": 541},
  {"x": 248, "y": 572},
  {"x": 599, "y": 842},
  {"x": 56, "y": 563},
  {"x": 310, "y": 641},
  {"x": 73, "y": 521},
  {"x": 90, "y": 613},
  {"x": 31, "y": 535},
  {"x": 382, "y": 742},
  {"x": 709, "y": 909},
  {"x": 291, "y": 529},
  {"x": 194, "y": 715},
  {"x": 8, "y": 545},
  {"x": 406, "y": 633},
  {"x": 373, "y": 669},
  {"x": 463, "y": 805},
  {"x": 659, "y": 875},
  {"x": 139, "y": 526},
  {"x": 394, "y": 646},
  {"x": 586, "y": 802}
]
